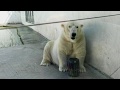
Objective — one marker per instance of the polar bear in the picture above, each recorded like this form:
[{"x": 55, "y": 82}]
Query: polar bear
[{"x": 70, "y": 44}]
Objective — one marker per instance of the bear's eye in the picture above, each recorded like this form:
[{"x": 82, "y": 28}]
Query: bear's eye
[
  {"x": 76, "y": 26},
  {"x": 69, "y": 26}
]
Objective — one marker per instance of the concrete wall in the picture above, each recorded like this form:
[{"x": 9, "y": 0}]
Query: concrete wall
[
  {"x": 9, "y": 37},
  {"x": 10, "y": 17},
  {"x": 103, "y": 49},
  {"x": 102, "y": 35},
  {"x": 15, "y": 17},
  {"x": 51, "y": 16}
]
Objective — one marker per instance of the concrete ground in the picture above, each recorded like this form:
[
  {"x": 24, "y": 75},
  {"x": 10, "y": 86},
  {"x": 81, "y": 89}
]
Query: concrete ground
[{"x": 23, "y": 61}]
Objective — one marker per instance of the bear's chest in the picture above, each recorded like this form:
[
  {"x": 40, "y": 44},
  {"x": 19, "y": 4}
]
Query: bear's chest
[{"x": 70, "y": 49}]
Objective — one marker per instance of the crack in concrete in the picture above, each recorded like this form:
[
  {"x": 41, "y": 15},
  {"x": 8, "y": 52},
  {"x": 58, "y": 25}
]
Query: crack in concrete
[
  {"x": 109, "y": 77},
  {"x": 19, "y": 36},
  {"x": 115, "y": 71}
]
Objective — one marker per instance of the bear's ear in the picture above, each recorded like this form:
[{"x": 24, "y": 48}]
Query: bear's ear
[
  {"x": 81, "y": 25},
  {"x": 62, "y": 25}
]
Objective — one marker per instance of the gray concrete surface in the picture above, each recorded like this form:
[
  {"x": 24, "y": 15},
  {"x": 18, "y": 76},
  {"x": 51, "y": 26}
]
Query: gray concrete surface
[
  {"x": 29, "y": 36},
  {"x": 23, "y": 61},
  {"x": 8, "y": 38},
  {"x": 103, "y": 47}
]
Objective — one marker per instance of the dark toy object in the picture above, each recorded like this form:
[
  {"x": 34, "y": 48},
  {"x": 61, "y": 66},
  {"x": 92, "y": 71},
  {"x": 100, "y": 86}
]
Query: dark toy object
[{"x": 73, "y": 67}]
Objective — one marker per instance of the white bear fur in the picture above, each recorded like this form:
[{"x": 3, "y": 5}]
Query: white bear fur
[{"x": 58, "y": 51}]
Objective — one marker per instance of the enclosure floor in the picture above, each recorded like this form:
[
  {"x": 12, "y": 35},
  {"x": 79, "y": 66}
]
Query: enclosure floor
[{"x": 23, "y": 62}]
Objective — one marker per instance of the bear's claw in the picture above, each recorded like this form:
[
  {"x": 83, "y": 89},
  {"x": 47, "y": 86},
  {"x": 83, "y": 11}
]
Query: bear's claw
[
  {"x": 82, "y": 69},
  {"x": 45, "y": 64},
  {"x": 62, "y": 69}
]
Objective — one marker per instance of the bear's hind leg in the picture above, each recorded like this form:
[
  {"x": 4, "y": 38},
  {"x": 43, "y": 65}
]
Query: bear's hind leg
[{"x": 46, "y": 54}]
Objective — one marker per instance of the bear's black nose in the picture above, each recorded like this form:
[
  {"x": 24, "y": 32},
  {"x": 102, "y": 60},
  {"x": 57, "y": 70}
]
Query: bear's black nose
[{"x": 73, "y": 34}]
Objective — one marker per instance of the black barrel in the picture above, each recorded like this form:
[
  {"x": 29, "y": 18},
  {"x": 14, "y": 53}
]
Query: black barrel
[{"x": 73, "y": 67}]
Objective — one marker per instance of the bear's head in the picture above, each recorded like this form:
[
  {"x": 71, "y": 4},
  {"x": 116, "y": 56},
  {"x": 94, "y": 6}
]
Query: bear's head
[{"x": 72, "y": 31}]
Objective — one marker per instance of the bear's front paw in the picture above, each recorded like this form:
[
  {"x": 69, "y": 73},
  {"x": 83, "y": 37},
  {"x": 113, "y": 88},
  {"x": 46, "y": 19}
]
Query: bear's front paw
[
  {"x": 45, "y": 63},
  {"x": 82, "y": 69},
  {"x": 63, "y": 69}
]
